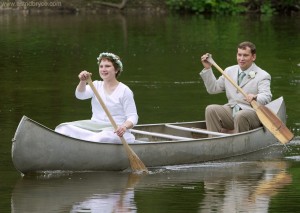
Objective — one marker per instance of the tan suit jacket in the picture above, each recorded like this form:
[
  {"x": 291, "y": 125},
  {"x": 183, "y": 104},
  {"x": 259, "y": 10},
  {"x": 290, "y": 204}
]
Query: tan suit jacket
[{"x": 259, "y": 85}]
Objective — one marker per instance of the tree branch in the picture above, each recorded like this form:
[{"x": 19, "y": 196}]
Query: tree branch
[{"x": 119, "y": 6}]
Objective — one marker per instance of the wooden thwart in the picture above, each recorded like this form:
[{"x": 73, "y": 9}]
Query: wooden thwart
[{"x": 203, "y": 131}]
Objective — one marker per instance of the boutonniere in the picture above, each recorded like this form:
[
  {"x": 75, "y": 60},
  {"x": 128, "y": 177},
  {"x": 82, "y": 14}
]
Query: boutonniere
[{"x": 252, "y": 74}]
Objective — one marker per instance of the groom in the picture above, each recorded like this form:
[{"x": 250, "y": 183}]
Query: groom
[{"x": 237, "y": 115}]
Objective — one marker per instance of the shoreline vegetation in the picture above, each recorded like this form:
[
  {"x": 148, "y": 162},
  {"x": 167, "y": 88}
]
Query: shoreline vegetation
[{"x": 184, "y": 7}]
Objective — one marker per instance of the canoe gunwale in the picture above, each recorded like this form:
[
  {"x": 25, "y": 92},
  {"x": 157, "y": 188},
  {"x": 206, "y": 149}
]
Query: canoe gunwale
[{"x": 27, "y": 119}]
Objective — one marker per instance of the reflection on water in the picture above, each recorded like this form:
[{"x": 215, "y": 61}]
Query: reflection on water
[
  {"x": 99, "y": 192},
  {"x": 122, "y": 201},
  {"x": 211, "y": 187},
  {"x": 246, "y": 196}
]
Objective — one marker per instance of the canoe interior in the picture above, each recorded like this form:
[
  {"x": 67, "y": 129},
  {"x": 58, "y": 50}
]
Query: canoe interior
[
  {"x": 161, "y": 128},
  {"x": 277, "y": 106},
  {"x": 161, "y": 132}
]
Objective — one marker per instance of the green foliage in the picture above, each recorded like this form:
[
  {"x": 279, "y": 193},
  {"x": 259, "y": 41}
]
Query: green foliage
[
  {"x": 186, "y": 5},
  {"x": 208, "y": 6},
  {"x": 268, "y": 7}
]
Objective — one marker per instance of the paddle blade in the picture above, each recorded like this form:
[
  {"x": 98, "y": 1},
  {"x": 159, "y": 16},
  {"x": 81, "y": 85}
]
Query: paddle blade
[
  {"x": 273, "y": 123},
  {"x": 137, "y": 166}
]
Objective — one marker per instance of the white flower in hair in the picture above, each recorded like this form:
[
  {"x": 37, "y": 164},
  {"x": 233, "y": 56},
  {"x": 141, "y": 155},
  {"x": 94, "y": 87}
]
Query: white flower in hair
[
  {"x": 252, "y": 74},
  {"x": 114, "y": 57}
]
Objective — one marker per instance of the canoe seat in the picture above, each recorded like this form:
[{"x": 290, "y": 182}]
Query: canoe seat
[
  {"x": 196, "y": 130},
  {"x": 142, "y": 140},
  {"x": 161, "y": 135}
]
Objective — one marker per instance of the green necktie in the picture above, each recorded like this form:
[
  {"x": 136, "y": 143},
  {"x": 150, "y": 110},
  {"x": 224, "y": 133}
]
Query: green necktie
[{"x": 240, "y": 77}]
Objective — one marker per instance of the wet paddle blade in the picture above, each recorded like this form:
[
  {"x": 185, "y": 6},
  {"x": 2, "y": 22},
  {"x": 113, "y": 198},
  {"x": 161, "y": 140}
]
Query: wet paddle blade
[
  {"x": 137, "y": 166},
  {"x": 273, "y": 123}
]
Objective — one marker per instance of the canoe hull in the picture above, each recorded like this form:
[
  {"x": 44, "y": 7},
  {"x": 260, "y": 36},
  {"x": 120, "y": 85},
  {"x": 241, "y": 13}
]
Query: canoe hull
[{"x": 37, "y": 148}]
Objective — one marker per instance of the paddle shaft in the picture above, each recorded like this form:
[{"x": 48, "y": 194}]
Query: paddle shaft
[
  {"x": 253, "y": 103},
  {"x": 136, "y": 164},
  {"x": 210, "y": 60},
  {"x": 112, "y": 121}
]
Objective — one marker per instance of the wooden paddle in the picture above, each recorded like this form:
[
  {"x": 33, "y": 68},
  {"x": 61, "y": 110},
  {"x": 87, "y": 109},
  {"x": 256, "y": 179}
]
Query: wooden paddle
[
  {"x": 265, "y": 115},
  {"x": 136, "y": 164}
]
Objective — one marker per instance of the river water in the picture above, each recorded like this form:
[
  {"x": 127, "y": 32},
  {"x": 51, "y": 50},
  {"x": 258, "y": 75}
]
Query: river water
[{"x": 41, "y": 56}]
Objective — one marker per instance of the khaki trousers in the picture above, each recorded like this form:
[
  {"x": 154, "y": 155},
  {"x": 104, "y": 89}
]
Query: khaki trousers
[{"x": 219, "y": 117}]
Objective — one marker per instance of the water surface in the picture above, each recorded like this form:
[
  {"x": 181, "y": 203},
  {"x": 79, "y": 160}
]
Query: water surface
[{"x": 41, "y": 57}]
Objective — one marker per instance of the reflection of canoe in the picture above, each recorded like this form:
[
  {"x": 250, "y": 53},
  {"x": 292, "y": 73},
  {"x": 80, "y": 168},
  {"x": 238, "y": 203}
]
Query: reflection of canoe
[
  {"x": 38, "y": 148},
  {"x": 58, "y": 192}
]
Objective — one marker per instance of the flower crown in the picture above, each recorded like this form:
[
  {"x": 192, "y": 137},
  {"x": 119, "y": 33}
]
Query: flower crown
[{"x": 112, "y": 56}]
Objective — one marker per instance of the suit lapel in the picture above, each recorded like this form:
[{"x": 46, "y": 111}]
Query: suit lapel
[
  {"x": 247, "y": 78},
  {"x": 235, "y": 74}
]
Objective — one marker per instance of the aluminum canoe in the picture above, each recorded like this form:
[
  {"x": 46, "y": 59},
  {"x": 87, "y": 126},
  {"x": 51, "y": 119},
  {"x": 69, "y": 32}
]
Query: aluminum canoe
[{"x": 37, "y": 148}]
